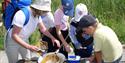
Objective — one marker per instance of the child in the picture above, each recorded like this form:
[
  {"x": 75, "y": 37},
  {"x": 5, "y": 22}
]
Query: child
[{"x": 83, "y": 43}]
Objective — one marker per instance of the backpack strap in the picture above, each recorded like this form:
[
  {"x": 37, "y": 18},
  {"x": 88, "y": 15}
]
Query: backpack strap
[{"x": 27, "y": 14}]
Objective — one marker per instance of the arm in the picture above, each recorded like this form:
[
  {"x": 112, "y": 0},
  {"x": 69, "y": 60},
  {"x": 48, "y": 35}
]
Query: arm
[
  {"x": 45, "y": 32},
  {"x": 98, "y": 57},
  {"x": 73, "y": 37},
  {"x": 15, "y": 36},
  {"x": 66, "y": 45},
  {"x": 98, "y": 43},
  {"x": 17, "y": 26}
]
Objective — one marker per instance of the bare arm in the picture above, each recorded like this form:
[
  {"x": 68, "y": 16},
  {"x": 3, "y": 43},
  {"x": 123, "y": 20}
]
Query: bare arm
[
  {"x": 60, "y": 35},
  {"x": 15, "y": 36},
  {"x": 45, "y": 32},
  {"x": 67, "y": 47},
  {"x": 98, "y": 57}
]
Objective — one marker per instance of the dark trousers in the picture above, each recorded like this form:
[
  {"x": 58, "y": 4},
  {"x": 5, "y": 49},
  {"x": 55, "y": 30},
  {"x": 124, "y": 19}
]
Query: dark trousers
[
  {"x": 83, "y": 53},
  {"x": 52, "y": 48}
]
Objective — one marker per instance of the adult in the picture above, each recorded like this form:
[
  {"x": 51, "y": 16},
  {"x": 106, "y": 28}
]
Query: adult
[
  {"x": 17, "y": 37},
  {"x": 107, "y": 47}
]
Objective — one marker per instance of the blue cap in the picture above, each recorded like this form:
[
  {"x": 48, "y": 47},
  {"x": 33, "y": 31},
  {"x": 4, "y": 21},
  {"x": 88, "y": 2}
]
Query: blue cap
[{"x": 68, "y": 7}]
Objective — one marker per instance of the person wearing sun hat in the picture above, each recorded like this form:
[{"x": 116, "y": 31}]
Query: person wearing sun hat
[
  {"x": 83, "y": 43},
  {"x": 107, "y": 47},
  {"x": 48, "y": 21},
  {"x": 16, "y": 41}
]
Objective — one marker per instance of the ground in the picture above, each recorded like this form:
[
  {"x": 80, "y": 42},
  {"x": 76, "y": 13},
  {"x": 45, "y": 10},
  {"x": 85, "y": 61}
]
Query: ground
[{"x": 3, "y": 58}]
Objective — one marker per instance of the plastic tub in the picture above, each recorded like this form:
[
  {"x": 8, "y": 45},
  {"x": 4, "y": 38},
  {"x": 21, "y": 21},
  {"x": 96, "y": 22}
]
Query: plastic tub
[{"x": 73, "y": 59}]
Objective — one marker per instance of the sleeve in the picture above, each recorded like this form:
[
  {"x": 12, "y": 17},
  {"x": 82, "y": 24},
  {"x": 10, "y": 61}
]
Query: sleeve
[
  {"x": 41, "y": 24},
  {"x": 19, "y": 19},
  {"x": 98, "y": 41},
  {"x": 57, "y": 17},
  {"x": 40, "y": 19},
  {"x": 51, "y": 19},
  {"x": 73, "y": 37}
]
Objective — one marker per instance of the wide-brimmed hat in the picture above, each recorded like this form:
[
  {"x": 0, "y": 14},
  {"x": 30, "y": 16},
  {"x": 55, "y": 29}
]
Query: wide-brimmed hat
[
  {"x": 68, "y": 7},
  {"x": 44, "y": 5},
  {"x": 81, "y": 10}
]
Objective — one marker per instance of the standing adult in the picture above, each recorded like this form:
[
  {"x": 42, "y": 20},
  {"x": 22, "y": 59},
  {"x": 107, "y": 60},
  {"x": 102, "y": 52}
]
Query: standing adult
[{"x": 16, "y": 41}]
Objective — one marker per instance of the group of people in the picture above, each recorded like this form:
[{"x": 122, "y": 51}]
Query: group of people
[{"x": 90, "y": 39}]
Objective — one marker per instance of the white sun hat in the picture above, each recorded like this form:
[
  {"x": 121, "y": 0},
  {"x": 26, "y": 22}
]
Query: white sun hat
[
  {"x": 44, "y": 5},
  {"x": 81, "y": 10}
]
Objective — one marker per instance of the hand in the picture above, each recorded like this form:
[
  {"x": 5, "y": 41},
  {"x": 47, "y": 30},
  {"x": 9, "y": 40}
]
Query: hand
[
  {"x": 68, "y": 48},
  {"x": 80, "y": 47},
  {"x": 33, "y": 48},
  {"x": 91, "y": 59},
  {"x": 56, "y": 41}
]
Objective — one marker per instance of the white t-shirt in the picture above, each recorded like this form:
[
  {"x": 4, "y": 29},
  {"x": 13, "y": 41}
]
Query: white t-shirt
[
  {"x": 48, "y": 20},
  {"x": 29, "y": 28}
]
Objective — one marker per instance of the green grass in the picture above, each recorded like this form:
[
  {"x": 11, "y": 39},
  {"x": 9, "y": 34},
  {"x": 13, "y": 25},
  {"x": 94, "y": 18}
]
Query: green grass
[
  {"x": 35, "y": 37},
  {"x": 2, "y": 33},
  {"x": 109, "y": 12}
]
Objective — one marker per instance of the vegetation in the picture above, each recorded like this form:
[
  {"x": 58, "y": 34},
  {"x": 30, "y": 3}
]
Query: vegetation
[{"x": 109, "y": 12}]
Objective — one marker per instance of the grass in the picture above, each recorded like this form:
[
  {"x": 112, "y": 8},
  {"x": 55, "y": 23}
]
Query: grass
[
  {"x": 35, "y": 37},
  {"x": 2, "y": 33},
  {"x": 109, "y": 12}
]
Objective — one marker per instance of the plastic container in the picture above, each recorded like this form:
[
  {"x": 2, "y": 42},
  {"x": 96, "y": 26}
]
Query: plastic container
[{"x": 73, "y": 59}]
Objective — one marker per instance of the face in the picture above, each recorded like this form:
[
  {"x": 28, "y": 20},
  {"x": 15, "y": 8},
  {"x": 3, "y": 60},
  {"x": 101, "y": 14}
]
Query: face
[
  {"x": 41, "y": 13},
  {"x": 61, "y": 7},
  {"x": 37, "y": 12},
  {"x": 88, "y": 30}
]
